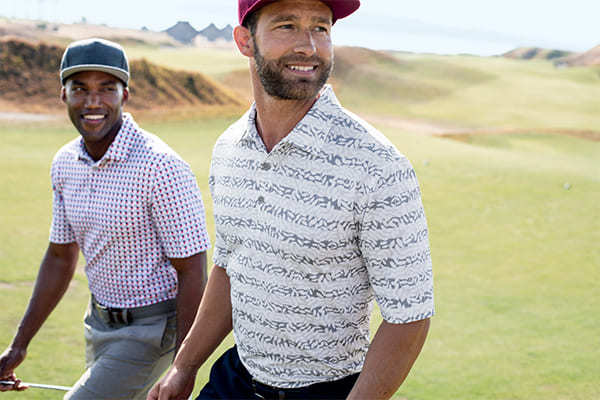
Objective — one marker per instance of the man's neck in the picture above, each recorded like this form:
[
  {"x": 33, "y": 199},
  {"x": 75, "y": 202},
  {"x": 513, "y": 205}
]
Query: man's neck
[{"x": 275, "y": 118}]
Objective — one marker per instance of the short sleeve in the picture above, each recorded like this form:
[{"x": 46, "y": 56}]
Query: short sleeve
[
  {"x": 394, "y": 241},
  {"x": 61, "y": 231},
  {"x": 178, "y": 210},
  {"x": 221, "y": 249}
]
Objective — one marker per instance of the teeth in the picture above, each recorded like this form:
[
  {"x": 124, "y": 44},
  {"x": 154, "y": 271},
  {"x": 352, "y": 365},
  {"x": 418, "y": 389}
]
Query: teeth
[
  {"x": 93, "y": 117},
  {"x": 300, "y": 68}
]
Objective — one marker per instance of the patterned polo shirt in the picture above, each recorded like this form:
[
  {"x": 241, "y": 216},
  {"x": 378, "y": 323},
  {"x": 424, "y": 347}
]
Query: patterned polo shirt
[
  {"x": 128, "y": 212},
  {"x": 309, "y": 234}
]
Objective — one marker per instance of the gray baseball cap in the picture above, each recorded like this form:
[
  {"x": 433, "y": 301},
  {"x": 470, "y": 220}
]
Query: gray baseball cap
[{"x": 95, "y": 55}]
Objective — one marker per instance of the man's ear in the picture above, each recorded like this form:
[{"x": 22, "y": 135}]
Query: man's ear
[
  {"x": 63, "y": 94},
  {"x": 125, "y": 95},
  {"x": 243, "y": 40}
]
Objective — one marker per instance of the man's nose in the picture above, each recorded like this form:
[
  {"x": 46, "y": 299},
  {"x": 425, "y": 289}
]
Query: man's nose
[
  {"x": 306, "y": 43},
  {"x": 92, "y": 99}
]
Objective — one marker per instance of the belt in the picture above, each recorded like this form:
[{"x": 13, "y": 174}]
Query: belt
[
  {"x": 338, "y": 389},
  {"x": 262, "y": 391},
  {"x": 125, "y": 316}
]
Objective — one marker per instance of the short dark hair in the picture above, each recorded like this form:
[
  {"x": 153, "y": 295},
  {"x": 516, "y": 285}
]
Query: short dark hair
[{"x": 251, "y": 21}]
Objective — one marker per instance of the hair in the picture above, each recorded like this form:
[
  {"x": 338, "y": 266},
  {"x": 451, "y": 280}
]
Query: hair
[{"x": 251, "y": 21}]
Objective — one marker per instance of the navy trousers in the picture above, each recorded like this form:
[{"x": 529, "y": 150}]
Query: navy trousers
[{"x": 229, "y": 379}]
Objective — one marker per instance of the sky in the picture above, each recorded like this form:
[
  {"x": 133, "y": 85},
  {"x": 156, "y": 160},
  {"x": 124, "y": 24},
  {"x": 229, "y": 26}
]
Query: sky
[{"x": 425, "y": 26}]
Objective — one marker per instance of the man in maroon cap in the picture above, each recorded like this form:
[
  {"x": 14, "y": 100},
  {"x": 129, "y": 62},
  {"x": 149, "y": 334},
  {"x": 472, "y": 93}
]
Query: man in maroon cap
[{"x": 317, "y": 214}]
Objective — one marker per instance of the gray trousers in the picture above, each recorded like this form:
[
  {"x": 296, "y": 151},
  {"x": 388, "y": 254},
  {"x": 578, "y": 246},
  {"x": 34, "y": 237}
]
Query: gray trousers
[{"x": 124, "y": 361}]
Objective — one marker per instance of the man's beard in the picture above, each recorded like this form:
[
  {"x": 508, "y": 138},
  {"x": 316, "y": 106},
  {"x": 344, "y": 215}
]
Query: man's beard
[{"x": 271, "y": 76}]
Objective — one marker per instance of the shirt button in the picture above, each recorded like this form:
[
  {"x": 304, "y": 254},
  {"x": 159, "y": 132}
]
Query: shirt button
[
  {"x": 265, "y": 166},
  {"x": 260, "y": 200}
]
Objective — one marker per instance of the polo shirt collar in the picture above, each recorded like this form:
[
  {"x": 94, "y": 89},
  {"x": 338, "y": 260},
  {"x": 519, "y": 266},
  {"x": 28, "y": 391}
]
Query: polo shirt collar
[
  {"x": 120, "y": 148},
  {"x": 312, "y": 130}
]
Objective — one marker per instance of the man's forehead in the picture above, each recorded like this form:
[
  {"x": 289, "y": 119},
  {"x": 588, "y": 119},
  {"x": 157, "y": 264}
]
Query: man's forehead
[{"x": 293, "y": 9}]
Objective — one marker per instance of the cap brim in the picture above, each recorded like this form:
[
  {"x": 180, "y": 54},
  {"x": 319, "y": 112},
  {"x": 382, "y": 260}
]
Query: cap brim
[
  {"x": 342, "y": 8},
  {"x": 114, "y": 71}
]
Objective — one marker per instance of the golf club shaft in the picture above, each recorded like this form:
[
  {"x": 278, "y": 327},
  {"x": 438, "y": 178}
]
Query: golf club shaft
[{"x": 38, "y": 385}]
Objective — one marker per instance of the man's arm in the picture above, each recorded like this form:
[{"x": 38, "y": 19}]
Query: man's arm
[
  {"x": 391, "y": 355},
  {"x": 56, "y": 271},
  {"x": 191, "y": 277},
  {"x": 212, "y": 324}
]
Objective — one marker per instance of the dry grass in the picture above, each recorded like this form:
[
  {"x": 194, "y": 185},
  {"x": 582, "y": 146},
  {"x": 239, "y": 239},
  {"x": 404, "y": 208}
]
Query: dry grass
[{"x": 29, "y": 82}]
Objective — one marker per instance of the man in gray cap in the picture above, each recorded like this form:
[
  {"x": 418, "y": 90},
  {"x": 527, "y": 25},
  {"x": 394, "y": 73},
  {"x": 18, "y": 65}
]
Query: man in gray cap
[
  {"x": 131, "y": 205},
  {"x": 317, "y": 214}
]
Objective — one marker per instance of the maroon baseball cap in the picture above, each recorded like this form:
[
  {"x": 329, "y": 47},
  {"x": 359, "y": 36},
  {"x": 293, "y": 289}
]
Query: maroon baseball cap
[{"x": 340, "y": 8}]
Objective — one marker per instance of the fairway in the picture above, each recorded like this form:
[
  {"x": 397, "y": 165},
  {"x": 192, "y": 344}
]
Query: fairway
[{"x": 514, "y": 226}]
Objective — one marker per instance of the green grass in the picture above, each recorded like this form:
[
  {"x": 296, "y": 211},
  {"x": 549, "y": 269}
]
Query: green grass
[
  {"x": 478, "y": 92},
  {"x": 213, "y": 62},
  {"x": 515, "y": 257},
  {"x": 516, "y": 262},
  {"x": 513, "y": 221}
]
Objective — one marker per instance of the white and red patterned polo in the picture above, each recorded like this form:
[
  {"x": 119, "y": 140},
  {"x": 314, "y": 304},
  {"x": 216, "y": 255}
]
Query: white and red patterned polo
[{"x": 129, "y": 212}]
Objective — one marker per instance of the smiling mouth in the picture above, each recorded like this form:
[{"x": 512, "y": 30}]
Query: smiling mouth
[
  {"x": 302, "y": 68},
  {"x": 93, "y": 117}
]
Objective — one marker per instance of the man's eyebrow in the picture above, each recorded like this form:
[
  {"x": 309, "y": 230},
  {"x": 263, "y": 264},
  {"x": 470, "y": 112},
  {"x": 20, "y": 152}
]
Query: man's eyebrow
[
  {"x": 322, "y": 20},
  {"x": 292, "y": 17},
  {"x": 109, "y": 82},
  {"x": 285, "y": 17},
  {"x": 76, "y": 82}
]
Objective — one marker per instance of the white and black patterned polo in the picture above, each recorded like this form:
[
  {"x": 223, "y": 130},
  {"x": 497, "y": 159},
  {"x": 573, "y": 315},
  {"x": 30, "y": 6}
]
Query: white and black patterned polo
[
  {"x": 309, "y": 235},
  {"x": 128, "y": 212}
]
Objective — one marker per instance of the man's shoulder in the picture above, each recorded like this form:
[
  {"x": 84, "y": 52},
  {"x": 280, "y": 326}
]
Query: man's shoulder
[
  {"x": 149, "y": 148},
  {"x": 235, "y": 131},
  {"x": 68, "y": 152},
  {"x": 348, "y": 129}
]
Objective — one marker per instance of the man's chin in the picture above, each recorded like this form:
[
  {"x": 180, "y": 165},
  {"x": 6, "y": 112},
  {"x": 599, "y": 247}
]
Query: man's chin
[
  {"x": 91, "y": 135},
  {"x": 295, "y": 91}
]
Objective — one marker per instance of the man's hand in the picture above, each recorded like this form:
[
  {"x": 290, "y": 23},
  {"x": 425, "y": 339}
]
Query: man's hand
[
  {"x": 9, "y": 360},
  {"x": 56, "y": 271},
  {"x": 175, "y": 385}
]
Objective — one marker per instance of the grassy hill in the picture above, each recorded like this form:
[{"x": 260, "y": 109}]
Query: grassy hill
[
  {"x": 430, "y": 93},
  {"x": 529, "y": 53},
  {"x": 513, "y": 216},
  {"x": 29, "y": 80},
  {"x": 589, "y": 58}
]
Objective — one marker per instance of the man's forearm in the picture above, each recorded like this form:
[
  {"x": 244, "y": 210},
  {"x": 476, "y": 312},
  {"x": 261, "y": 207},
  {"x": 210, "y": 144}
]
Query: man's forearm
[
  {"x": 191, "y": 276},
  {"x": 55, "y": 274},
  {"x": 211, "y": 325},
  {"x": 391, "y": 355}
]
